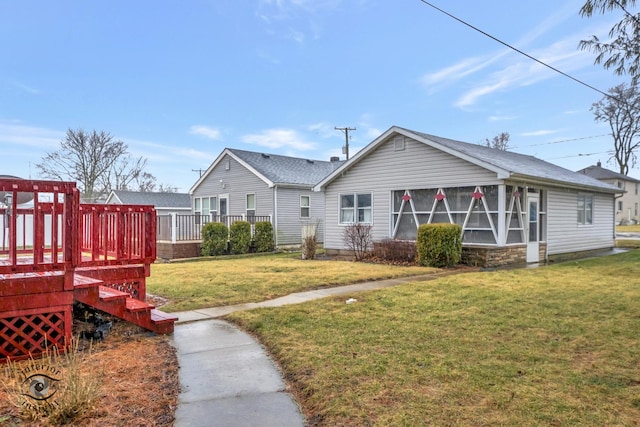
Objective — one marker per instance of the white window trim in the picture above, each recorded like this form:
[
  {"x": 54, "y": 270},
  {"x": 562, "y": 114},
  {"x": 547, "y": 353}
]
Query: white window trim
[
  {"x": 355, "y": 208},
  {"x": 585, "y": 196},
  {"x": 246, "y": 203},
  {"x": 308, "y": 207}
]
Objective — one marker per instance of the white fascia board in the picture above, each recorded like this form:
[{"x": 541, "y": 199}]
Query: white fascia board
[{"x": 216, "y": 162}]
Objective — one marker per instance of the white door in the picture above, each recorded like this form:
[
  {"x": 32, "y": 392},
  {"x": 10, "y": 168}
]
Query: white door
[{"x": 533, "y": 240}]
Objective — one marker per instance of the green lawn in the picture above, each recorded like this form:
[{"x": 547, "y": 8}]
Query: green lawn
[
  {"x": 224, "y": 281},
  {"x": 557, "y": 345}
]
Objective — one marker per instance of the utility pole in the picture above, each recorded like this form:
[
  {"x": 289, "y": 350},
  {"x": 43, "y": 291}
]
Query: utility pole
[
  {"x": 346, "y": 130},
  {"x": 198, "y": 170}
]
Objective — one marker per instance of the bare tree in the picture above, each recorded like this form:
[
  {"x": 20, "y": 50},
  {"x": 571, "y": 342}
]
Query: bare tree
[
  {"x": 621, "y": 52},
  {"x": 500, "y": 141},
  {"x": 621, "y": 110},
  {"x": 96, "y": 161}
]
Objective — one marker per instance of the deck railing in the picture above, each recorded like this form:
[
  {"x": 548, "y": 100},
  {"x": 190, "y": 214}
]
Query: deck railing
[
  {"x": 59, "y": 233},
  {"x": 37, "y": 238},
  {"x": 117, "y": 234},
  {"x": 184, "y": 228}
]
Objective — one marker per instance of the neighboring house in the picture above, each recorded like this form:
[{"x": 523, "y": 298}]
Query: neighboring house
[
  {"x": 164, "y": 203},
  {"x": 627, "y": 203},
  {"x": 246, "y": 183},
  {"x": 512, "y": 207}
]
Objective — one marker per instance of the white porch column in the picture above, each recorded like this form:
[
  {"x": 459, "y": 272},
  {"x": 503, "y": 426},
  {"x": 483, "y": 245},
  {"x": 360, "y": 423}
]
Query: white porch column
[
  {"x": 502, "y": 215},
  {"x": 174, "y": 227}
]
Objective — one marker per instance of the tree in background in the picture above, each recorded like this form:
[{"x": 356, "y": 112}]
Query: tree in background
[
  {"x": 622, "y": 51},
  {"x": 98, "y": 163},
  {"x": 500, "y": 142},
  {"x": 621, "y": 110}
]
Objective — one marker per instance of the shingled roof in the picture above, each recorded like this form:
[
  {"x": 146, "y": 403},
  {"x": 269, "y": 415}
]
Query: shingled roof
[
  {"x": 287, "y": 170},
  {"x": 159, "y": 200},
  {"x": 598, "y": 172},
  {"x": 507, "y": 164}
]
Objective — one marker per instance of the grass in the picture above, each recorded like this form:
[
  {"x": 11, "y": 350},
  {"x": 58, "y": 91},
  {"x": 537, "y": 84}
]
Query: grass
[
  {"x": 557, "y": 345},
  {"x": 628, "y": 228},
  {"x": 222, "y": 281}
]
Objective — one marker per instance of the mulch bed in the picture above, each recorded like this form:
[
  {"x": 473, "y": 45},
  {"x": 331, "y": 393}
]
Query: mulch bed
[{"x": 138, "y": 371}]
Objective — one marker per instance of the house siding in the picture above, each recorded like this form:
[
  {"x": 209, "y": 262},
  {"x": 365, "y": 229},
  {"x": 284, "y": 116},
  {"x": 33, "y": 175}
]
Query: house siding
[
  {"x": 563, "y": 232},
  {"x": 384, "y": 170},
  {"x": 289, "y": 227},
  {"x": 238, "y": 182}
]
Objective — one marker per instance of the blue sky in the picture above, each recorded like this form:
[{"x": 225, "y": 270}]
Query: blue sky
[{"x": 180, "y": 81}]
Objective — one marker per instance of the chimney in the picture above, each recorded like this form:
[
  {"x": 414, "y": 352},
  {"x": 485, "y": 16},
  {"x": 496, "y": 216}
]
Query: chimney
[
  {"x": 599, "y": 164},
  {"x": 334, "y": 159}
]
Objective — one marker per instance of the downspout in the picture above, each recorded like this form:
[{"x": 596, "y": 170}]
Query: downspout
[{"x": 275, "y": 214}]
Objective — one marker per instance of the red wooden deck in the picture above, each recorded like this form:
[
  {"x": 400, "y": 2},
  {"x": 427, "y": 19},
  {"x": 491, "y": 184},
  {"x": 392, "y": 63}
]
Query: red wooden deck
[{"x": 59, "y": 251}]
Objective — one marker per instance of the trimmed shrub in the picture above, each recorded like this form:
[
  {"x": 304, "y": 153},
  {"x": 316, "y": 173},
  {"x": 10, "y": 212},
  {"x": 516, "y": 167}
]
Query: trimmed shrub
[
  {"x": 395, "y": 250},
  {"x": 214, "y": 239},
  {"x": 240, "y": 237},
  {"x": 439, "y": 245},
  {"x": 263, "y": 237}
]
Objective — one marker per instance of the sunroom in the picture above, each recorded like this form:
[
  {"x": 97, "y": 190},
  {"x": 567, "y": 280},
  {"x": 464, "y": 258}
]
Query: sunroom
[{"x": 491, "y": 217}]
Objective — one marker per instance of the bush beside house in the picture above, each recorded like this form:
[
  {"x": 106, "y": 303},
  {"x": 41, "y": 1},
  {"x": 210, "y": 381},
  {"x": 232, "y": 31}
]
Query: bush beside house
[
  {"x": 215, "y": 236},
  {"x": 439, "y": 245},
  {"x": 240, "y": 237}
]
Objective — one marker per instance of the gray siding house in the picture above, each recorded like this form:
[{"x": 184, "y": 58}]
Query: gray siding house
[
  {"x": 243, "y": 183},
  {"x": 512, "y": 207},
  {"x": 627, "y": 203},
  {"x": 164, "y": 203}
]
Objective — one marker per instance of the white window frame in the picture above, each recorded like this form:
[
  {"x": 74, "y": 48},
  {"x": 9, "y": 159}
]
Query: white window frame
[
  {"x": 355, "y": 209},
  {"x": 213, "y": 206},
  {"x": 307, "y": 206},
  {"x": 246, "y": 202},
  {"x": 585, "y": 210}
]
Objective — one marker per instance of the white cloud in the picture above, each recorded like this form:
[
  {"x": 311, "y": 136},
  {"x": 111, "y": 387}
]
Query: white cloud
[
  {"x": 206, "y": 131},
  {"x": 541, "y": 132},
  {"x": 501, "y": 118},
  {"x": 512, "y": 69},
  {"x": 30, "y": 136},
  {"x": 26, "y": 88},
  {"x": 279, "y": 139}
]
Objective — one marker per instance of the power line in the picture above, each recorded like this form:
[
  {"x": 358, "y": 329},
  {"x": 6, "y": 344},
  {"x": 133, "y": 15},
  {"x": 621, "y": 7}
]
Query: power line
[
  {"x": 516, "y": 49},
  {"x": 569, "y": 140},
  {"x": 581, "y": 155}
]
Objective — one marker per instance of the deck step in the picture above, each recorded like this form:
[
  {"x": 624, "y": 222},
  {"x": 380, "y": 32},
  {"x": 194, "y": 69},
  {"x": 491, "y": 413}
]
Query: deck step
[
  {"x": 110, "y": 294},
  {"x": 158, "y": 316},
  {"x": 80, "y": 281},
  {"x": 134, "y": 305}
]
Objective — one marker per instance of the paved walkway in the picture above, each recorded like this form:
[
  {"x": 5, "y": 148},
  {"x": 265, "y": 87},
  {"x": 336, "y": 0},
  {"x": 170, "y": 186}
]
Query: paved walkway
[{"x": 227, "y": 378}]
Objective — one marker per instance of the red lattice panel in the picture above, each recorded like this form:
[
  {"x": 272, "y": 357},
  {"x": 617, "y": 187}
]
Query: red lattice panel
[
  {"x": 32, "y": 332},
  {"x": 135, "y": 288}
]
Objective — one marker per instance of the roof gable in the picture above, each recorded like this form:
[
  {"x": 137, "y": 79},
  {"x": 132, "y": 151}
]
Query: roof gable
[
  {"x": 506, "y": 164},
  {"x": 159, "y": 200},
  {"x": 275, "y": 169},
  {"x": 598, "y": 172}
]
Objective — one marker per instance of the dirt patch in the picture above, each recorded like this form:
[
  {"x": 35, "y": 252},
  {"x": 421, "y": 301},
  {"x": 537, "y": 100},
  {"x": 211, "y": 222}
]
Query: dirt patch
[{"x": 139, "y": 380}]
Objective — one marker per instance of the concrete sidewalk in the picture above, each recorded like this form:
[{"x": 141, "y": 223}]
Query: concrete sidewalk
[
  {"x": 227, "y": 378},
  {"x": 299, "y": 297}
]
